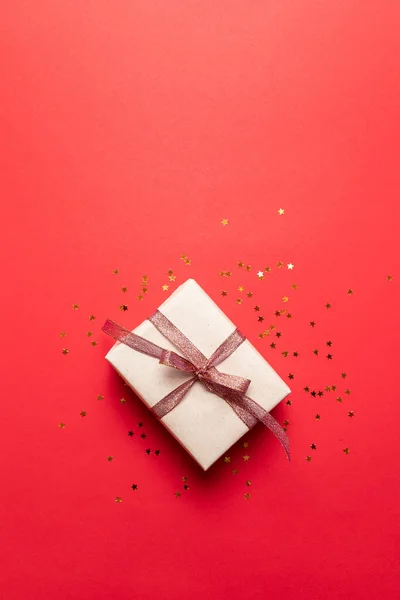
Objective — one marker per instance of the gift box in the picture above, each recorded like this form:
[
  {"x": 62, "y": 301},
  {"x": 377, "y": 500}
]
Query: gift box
[{"x": 213, "y": 412}]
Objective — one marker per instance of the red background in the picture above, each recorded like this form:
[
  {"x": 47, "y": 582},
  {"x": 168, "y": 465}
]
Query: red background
[{"x": 129, "y": 130}]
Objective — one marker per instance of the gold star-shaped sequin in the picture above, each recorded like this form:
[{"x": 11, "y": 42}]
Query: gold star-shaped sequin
[
  {"x": 313, "y": 446},
  {"x": 339, "y": 399},
  {"x": 124, "y": 289},
  {"x": 294, "y": 286},
  {"x": 224, "y": 222},
  {"x": 89, "y": 333},
  {"x": 328, "y": 305},
  {"x": 140, "y": 297},
  {"x": 347, "y": 392},
  {"x": 389, "y": 277},
  {"x": 227, "y": 459},
  {"x": 83, "y": 413},
  {"x": 245, "y": 444},
  {"x": 279, "y": 264},
  {"x": 246, "y": 458},
  {"x": 63, "y": 334},
  {"x": 100, "y": 397},
  {"x": 65, "y": 351},
  {"x": 94, "y": 343},
  {"x": 172, "y": 277},
  {"x": 123, "y": 307},
  {"x": 285, "y": 298},
  {"x": 239, "y": 301},
  {"x": 249, "y": 294},
  {"x": 75, "y": 306},
  {"x": 248, "y": 267},
  {"x": 247, "y": 496},
  {"x": 308, "y": 458},
  {"x": 235, "y": 471},
  {"x": 118, "y": 499},
  {"x": 122, "y": 400},
  {"x": 164, "y": 288},
  {"x": 61, "y": 425},
  {"x": 346, "y": 450},
  {"x": 344, "y": 375},
  {"x": 260, "y": 274},
  {"x": 350, "y": 413},
  {"x": 248, "y": 483},
  {"x": 115, "y": 271},
  {"x": 281, "y": 211},
  {"x": 177, "y": 494},
  {"x": 92, "y": 318},
  {"x": 256, "y": 308},
  {"x": 349, "y": 291},
  {"x": 224, "y": 293},
  {"x": 110, "y": 458},
  {"x": 290, "y": 266},
  {"x": 240, "y": 288},
  {"x": 240, "y": 264},
  {"x": 267, "y": 269},
  {"x": 318, "y": 417}
]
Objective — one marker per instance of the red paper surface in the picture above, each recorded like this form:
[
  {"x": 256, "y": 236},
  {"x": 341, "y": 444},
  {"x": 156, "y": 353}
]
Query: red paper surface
[{"x": 129, "y": 131}]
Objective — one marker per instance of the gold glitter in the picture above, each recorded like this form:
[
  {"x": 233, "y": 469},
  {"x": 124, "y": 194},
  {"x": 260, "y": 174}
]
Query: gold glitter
[
  {"x": 63, "y": 334},
  {"x": 165, "y": 288},
  {"x": 285, "y": 354},
  {"x": 245, "y": 444},
  {"x": 267, "y": 269},
  {"x": 308, "y": 458},
  {"x": 240, "y": 264},
  {"x": 350, "y": 413},
  {"x": 260, "y": 274},
  {"x": 279, "y": 264},
  {"x": 172, "y": 277},
  {"x": 61, "y": 425},
  {"x": 294, "y": 286},
  {"x": 124, "y": 289},
  {"x": 100, "y": 397},
  {"x": 249, "y": 294},
  {"x": 256, "y": 308},
  {"x": 224, "y": 221},
  {"x": 115, "y": 271},
  {"x": 92, "y": 318},
  {"x": 339, "y": 399},
  {"x": 118, "y": 499},
  {"x": 224, "y": 293},
  {"x": 290, "y": 266},
  {"x": 227, "y": 459},
  {"x": 246, "y": 458},
  {"x": 123, "y": 307},
  {"x": 144, "y": 278},
  {"x": 83, "y": 413},
  {"x": 327, "y": 388},
  {"x": 247, "y": 496},
  {"x": 389, "y": 277},
  {"x": 347, "y": 392},
  {"x": 184, "y": 478},
  {"x": 344, "y": 375},
  {"x": 235, "y": 471},
  {"x": 177, "y": 494},
  {"x": 248, "y": 267},
  {"x": 248, "y": 483},
  {"x": 313, "y": 447},
  {"x": 240, "y": 288},
  {"x": 89, "y": 333},
  {"x": 75, "y": 306},
  {"x": 109, "y": 458},
  {"x": 94, "y": 343},
  {"x": 349, "y": 291},
  {"x": 346, "y": 450},
  {"x": 123, "y": 401},
  {"x": 327, "y": 305},
  {"x": 285, "y": 299},
  {"x": 65, "y": 351},
  {"x": 318, "y": 417},
  {"x": 281, "y": 211},
  {"x": 239, "y": 301}
]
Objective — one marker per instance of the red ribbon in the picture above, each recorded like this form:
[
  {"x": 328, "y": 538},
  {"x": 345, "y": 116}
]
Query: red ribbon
[{"x": 231, "y": 388}]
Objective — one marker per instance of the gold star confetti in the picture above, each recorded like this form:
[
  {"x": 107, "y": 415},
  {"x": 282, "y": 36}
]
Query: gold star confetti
[
  {"x": 289, "y": 402},
  {"x": 290, "y": 266},
  {"x": 249, "y": 294},
  {"x": 124, "y": 289},
  {"x": 295, "y": 354},
  {"x": 281, "y": 211},
  {"x": 240, "y": 264},
  {"x": 327, "y": 388},
  {"x": 109, "y": 458},
  {"x": 294, "y": 286},
  {"x": 350, "y": 413},
  {"x": 279, "y": 264},
  {"x": 177, "y": 494},
  {"x": 389, "y": 277},
  {"x": 123, "y": 307},
  {"x": 92, "y": 318},
  {"x": 313, "y": 447},
  {"x": 240, "y": 288},
  {"x": 140, "y": 297},
  {"x": 224, "y": 293},
  {"x": 260, "y": 274},
  {"x": 334, "y": 388},
  {"x": 115, "y": 271},
  {"x": 187, "y": 262},
  {"x": 61, "y": 425},
  {"x": 224, "y": 222},
  {"x": 256, "y": 308},
  {"x": 83, "y": 413},
  {"x": 327, "y": 305},
  {"x": 75, "y": 306},
  {"x": 144, "y": 290},
  {"x": 239, "y": 301},
  {"x": 346, "y": 450},
  {"x": 65, "y": 351},
  {"x": 349, "y": 291},
  {"x": 89, "y": 333},
  {"x": 344, "y": 375},
  {"x": 246, "y": 458},
  {"x": 123, "y": 401},
  {"x": 184, "y": 478},
  {"x": 339, "y": 399},
  {"x": 63, "y": 334},
  {"x": 145, "y": 277},
  {"x": 94, "y": 343},
  {"x": 347, "y": 392},
  {"x": 235, "y": 471},
  {"x": 245, "y": 444},
  {"x": 285, "y": 354},
  {"x": 267, "y": 269},
  {"x": 118, "y": 499},
  {"x": 286, "y": 423},
  {"x": 308, "y": 458},
  {"x": 165, "y": 288},
  {"x": 318, "y": 417},
  {"x": 248, "y": 267},
  {"x": 227, "y": 459},
  {"x": 100, "y": 397},
  {"x": 285, "y": 299},
  {"x": 186, "y": 487},
  {"x": 248, "y": 483},
  {"x": 316, "y": 352},
  {"x": 273, "y": 345},
  {"x": 329, "y": 356},
  {"x": 172, "y": 277},
  {"x": 312, "y": 323}
]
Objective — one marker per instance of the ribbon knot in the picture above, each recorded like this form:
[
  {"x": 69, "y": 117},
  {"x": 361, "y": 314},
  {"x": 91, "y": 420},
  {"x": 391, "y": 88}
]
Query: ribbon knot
[{"x": 231, "y": 388}]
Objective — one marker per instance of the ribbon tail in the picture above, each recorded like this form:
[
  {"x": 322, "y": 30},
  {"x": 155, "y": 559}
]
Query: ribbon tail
[
  {"x": 168, "y": 403},
  {"x": 268, "y": 420}
]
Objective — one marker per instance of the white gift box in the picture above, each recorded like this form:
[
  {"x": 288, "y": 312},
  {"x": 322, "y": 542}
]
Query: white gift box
[{"x": 203, "y": 423}]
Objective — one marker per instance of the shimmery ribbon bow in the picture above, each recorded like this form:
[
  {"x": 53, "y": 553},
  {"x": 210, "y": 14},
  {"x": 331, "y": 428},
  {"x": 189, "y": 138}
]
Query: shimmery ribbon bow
[{"x": 231, "y": 388}]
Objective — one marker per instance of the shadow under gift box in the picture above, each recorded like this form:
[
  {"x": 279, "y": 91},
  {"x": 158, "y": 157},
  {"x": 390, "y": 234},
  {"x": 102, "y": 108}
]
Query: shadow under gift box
[{"x": 203, "y": 423}]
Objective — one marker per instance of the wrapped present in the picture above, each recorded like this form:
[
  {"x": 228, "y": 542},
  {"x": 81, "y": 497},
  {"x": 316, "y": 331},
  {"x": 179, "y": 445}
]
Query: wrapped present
[{"x": 198, "y": 374}]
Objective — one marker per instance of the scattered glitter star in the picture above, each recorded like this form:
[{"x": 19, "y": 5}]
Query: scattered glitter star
[
  {"x": 156, "y": 452},
  {"x": 177, "y": 494},
  {"x": 334, "y": 388},
  {"x": 249, "y": 294},
  {"x": 285, "y": 299},
  {"x": 289, "y": 316},
  {"x": 288, "y": 402},
  {"x": 256, "y": 308},
  {"x": 118, "y": 499},
  {"x": 279, "y": 264},
  {"x": 318, "y": 417},
  {"x": 290, "y": 266},
  {"x": 247, "y": 496},
  {"x": 389, "y": 277},
  {"x": 245, "y": 444},
  {"x": 92, "y": 318},
  {"x": 281, "y": 211},
  {"x": 285, "y": 354},
  {"x": 286, "y": 423},
  {"x": 277, "y": 313},
  {"x": 308, "y": 458},
  {"x": 346, "y": 450},
  {"x": 320, "y": 393},
  {"x": 260, "y": 318},
  {"x": 224, "y": 221},
  {"x": 344, "y": 375},
  {"x": 227, "y": 459},
  {"x": 130, "y": 433},
  {"x": 260, "y": 274},
  {"x": 349, "y": 291},
  {"x": 184, "y": 478},
  {"x": 273, "y": 345},
  {"x": 248, "y": 483},
  {"x": 295, "y": 354},
  {"x": 165, "y": 288},
  {"x": 246, "y": 458},
  {"x": 83, "y": 413},
  {"x": 329, "y": 356},
  {"x": 240, "y": 288},
  {"x": 235, "y": 471},
  {"x": 240, "y": 264},
  {"x": 140, "y": 297},
  {"x": 122, "y": 400},
  {"x": 267, "y": 269},
  {"x": 172, "y": 277},
  {"x": 347, "y": 392},
  {"x": 115, "y": 271},
  {"x": 278, "y": 334},
  {"x": 65, "y": 351},
  {"x": 327, "y": 305},
  {"x": 327, "y": 388},
  {"x": 75, "y": 306},
  {"x": 63, "y": 334},
  {"x": 123, "y": 307},
  {"x": 316, "y": 352},
  {"x": 239, "y": 301},
  {"x": 100, "y": 397},
  {"x": 94, "y": 343},
  {"x": 248, "y": 267},
  {"x": 89, "y": 333},
  {"x": 339, "y": 399},
  {"x": 143, "y": 436},
  {"x": 124, "y": 289},
  {"x": 109, "y": 458},
  {"x": 350, "y": 413},
  {"x": 148, "y": 451},
  {"x": 186, "y": 487},
  {"x": 61, "y": 425},
  {"x": 294, "y": 286},
  {"x": 140, "y": 424},
  {"x": 224, "y": 293},
  {"x": 313, "y": 447},
  {"x": 306, "y": 389},
  {"x": 134, "y": 486},
  {"x": 312, "y": 323},
  {"x": 291, "y": 376}
]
